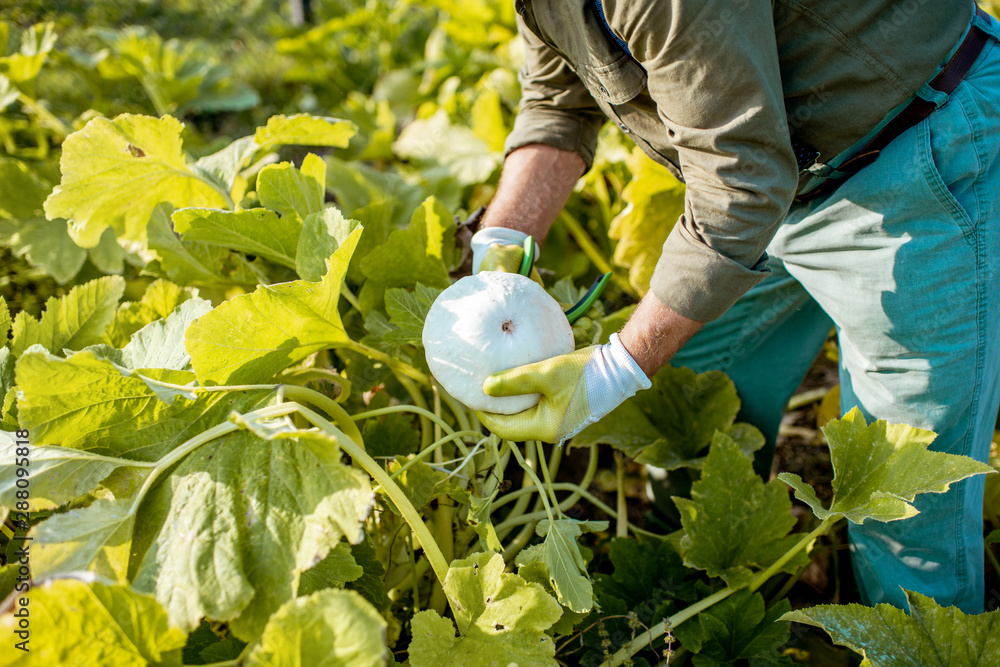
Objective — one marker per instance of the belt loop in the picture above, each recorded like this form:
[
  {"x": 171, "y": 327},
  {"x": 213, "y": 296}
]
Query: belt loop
[{"x": 932, "y": 95}]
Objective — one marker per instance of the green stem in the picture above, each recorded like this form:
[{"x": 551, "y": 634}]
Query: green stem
[
  {"x": 397, "y": 366},
  {"x": 327, "y": 405},
  {"x": 46, "y": 116},
  {"x": 494, "y": 481},
  {"x": 418, "y": 399},
  {"x": 527, "y": 489},
  {"x": 301, "y": 376},
  {"x": 391, "y": 489},
  {"x": 534, "y": 478},
  {"x": 622, "y": 513},
  {"x": 424, "y": 453},
  {"x": 460, "y": 411},
  {"x": 548, "y": 479},
  {"x": 346, "y": 292},
  {"x": 594, "y": 253},
  {"x": 414, "y": 581},
  {"x": 423, "y": 412},
  {"x": 776, "y": 566},
  {"x": 197, "y": 441},
  {"x": 646, "y": 638},
  {"x": 524, "y": 535}
]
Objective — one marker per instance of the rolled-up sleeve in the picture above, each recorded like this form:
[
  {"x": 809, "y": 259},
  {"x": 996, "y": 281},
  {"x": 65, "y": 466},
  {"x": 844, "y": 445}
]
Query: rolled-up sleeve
[
  {"x": 713, "y": 73},
  {"x": 556, "y": 108}
]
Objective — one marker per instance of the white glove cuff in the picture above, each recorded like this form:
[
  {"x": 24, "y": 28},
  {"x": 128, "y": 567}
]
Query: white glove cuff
[
  {"x": 484, "y": 238},
  {"x": 623, "y": 371},
  {"x": 612, "y": 376}
]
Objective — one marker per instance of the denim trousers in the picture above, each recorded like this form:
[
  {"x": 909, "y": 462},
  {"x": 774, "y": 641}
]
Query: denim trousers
[{"x": 904, "y": 261}]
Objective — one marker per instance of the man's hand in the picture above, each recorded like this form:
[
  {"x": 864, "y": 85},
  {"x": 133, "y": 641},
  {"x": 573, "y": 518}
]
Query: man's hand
[
  {"x": 577, "y": 390},
  {"x": 497, "y": 249},
  {"x": 500, "y": 249}
]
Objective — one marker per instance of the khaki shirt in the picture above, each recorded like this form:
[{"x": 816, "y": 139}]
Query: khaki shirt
[{"x": 711, "y": 89}]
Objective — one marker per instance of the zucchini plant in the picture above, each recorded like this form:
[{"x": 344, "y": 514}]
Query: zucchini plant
[{"x": 271, "y": 476}]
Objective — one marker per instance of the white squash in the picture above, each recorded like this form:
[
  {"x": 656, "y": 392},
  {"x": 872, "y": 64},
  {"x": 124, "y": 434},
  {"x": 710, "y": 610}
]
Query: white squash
[{"x": 488, "y": 323}]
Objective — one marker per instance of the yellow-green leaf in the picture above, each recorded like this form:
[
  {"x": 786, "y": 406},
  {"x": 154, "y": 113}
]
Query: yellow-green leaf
[
  {"x": 878, "y": 470},
  {"x": 929, "y": 636},
  {"x": 71, "y": 322},
  {"x": 501, "y": 620},
  {"x": 330, "y": 628},
  {"x": 81, "y": 621},
  {"x": 303, "y": 130},
  {"x": 655, "y": 200},
  {"x": 251, "y": 337},
  {"x": 115, "y": 172}
]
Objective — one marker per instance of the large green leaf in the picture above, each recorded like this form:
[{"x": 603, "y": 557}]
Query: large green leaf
[
  {"x": 56, "y": 474},
  {"x": 115, "y": 172},
  {"x": 929, "y": 636},
  {"x": 561, "y": 555},
  {"x": 371, "y": 583},
  {"x": 322, "y": 233},
  {"x": 87, "y": 402},
  {"x": 626, "y": 428},
  {"x": 293, "y": 193},
  {"x": 330, "y": 628},
  {"x": 87, "y": 622},
  {"x": 422, "y": 253},
  {"x": 47, "y": 245},
  {"x": 71, "y": 322},
  {"x": 252, "y": 337},
  {"x": 879, "y": 469},
  {"x": 501, "y": 620},
  {"x": 256, "y": 532},
  {"x": 737, "y": 629},
  {"x": 24, "y": 190},
  {"x": 670, "y": 424},
  {"x": 160, "y": 344},
  {"x": 655, "y": 200},
  {"x": 192, "y": 262},
  {"x": 733, "y": 522},
  {"x": 435, "y": 140},
  {"x": 96, "y": 538},
  {"x": 303, "y": 130},
  {"x": 23, "y": 65},
  {"x": 44, "y": 243},
  {"x": 334, "y": 571},
  {"x": 255, "y": 231},
  {"x": 407, "y": 311},
  {"x": 159, "y": 300},
  {"x": 687, "y": 409}
]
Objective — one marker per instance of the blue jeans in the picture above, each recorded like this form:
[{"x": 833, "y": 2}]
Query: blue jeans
[{"x": 904, "y": 260}]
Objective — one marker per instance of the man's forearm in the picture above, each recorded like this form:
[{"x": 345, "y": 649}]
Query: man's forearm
[
  {"x": 655, "y": 332},
  {"x": 536, "y": 183}
]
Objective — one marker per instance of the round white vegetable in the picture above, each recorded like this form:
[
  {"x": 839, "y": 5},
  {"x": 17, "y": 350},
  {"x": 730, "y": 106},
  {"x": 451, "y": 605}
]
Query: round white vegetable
[{"x": 488, "y": 323}]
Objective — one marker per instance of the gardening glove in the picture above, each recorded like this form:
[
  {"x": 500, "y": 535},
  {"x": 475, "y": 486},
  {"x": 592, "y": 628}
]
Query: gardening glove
[
  {"x": 577, "y": 390},
  {"x": 500, "y": 249}
]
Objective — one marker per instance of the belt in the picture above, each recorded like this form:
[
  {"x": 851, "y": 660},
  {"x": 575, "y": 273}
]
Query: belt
[{"x": 946, "y": 81}]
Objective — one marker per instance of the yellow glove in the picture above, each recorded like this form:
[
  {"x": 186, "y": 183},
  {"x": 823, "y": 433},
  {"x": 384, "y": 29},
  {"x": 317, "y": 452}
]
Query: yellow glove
[
  {"x": 577, "y": 390},
  {"x": 500, "y": 249}
]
